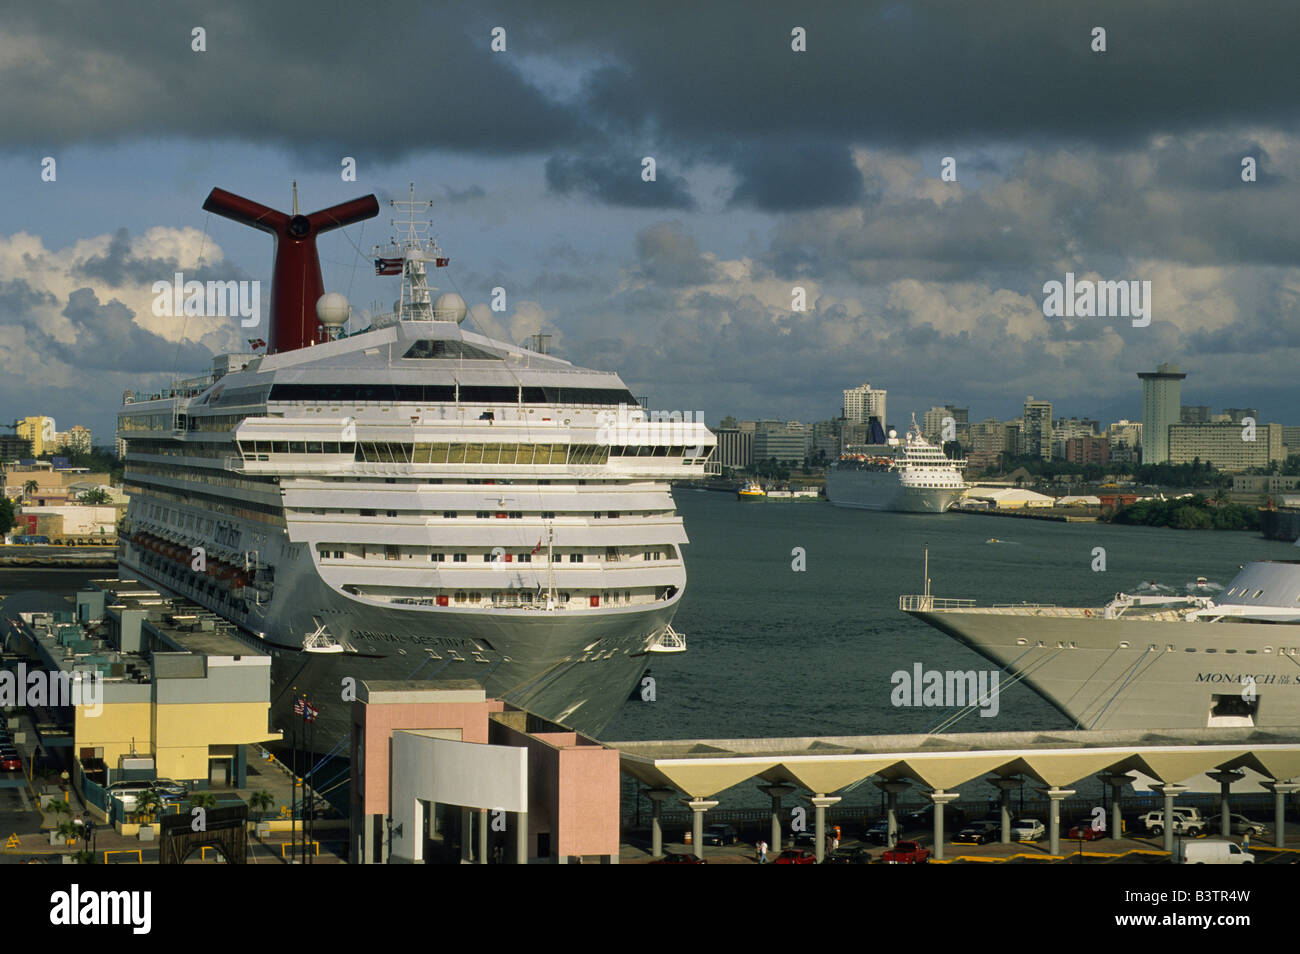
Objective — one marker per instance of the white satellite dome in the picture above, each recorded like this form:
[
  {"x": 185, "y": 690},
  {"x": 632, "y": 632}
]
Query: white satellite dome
[
  {"x": 449, "y": 307},
  {"x": 333, "y": 310}
]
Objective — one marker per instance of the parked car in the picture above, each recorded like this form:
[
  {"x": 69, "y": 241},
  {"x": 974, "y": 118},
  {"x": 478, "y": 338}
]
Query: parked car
[
  {"x": 1028, "y": 829},
  {"x": 169, "y": 789},
  {"x": 1083, "y": 830},
  {"x": 877, "y": 832},
  {"x": 906, "y": 853},
  {"x": 675, "y": 858},
  {"x": 805, "y": 839},
  {"x": 924, "y": 817},
  {"x": 854, "y": 855},
  {"x": 129, "y": 793},
  {"x": 720, "y": 835},
  {"x": 1241, "y": 825},
  {"x": 10, "y": 762},
  {"x": 1211, "y": 853},
  {"x": 796, "y": 856},
  {"x": 978, "y": 833}
]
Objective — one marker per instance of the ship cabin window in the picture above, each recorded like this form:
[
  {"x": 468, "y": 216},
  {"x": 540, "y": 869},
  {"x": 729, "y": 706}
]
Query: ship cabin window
[
  {"x": 338, "y": 554},
  {"x": 482, "y": 515},
  {"x": 449, "y": 515},
  {"x": 391, "y": 513},
  {"x": 438, "y": 557},
  {"x": 613, "y": 515},
  {"x": 548, "y": 514},
  {"x": 525, "y": 558},
  {"x": 575, "y": 557},
  {"x": 460, "y": 596},
  {"x": 516, "y": 514},
  {"x": 460, "y": 558},
  {"x": 367, "y": 513}
]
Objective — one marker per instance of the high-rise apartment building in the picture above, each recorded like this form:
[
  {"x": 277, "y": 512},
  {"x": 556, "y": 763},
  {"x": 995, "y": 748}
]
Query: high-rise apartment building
[{"x": 1161, "y": 408}]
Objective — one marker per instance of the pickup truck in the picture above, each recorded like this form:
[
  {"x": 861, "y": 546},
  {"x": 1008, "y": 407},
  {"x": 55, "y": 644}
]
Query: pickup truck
[{"x": 906, "y": 853}]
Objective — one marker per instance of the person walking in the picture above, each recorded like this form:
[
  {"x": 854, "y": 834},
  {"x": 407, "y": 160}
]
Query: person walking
[{"x": 762, "y": 852}]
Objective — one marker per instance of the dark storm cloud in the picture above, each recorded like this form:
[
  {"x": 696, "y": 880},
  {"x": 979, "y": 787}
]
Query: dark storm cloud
[
  {"x": 797, "y": 177},
  {"x": 388, "y": 77},
  {"x": 323, "y": 79},
  {"x": 616, "y": 180},
  {"x": 108, "y": 339},
  {"x": 18, "y": 298},
  {"x": 118, "y": 267}
]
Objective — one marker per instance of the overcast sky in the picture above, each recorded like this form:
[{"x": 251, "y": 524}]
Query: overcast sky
[{"x": 774, "y": 169}]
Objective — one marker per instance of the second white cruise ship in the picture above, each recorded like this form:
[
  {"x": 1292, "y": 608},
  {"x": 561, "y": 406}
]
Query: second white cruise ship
[
  {"x": 910, "y": 475},
  {"x": 413, "y": 500}
]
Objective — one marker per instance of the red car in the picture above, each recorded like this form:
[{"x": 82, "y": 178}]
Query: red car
[
  {"x": 10, "y": 762},
  {"x": 906, "y": 853},
  {"x": 1083, "y": 831},
  {"x": 796, "y": 856}
]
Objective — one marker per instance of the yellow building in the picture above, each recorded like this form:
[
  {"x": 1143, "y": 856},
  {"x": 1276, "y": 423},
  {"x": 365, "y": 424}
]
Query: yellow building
[{"x": 40, "y": 431}]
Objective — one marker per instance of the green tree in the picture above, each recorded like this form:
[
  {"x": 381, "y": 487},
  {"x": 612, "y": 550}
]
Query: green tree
[
  {"x": 7, "y": 519},
  {"x": 98, "y": 496},
  {"x": 30, "y": 487},
  {"x": 261, "y": 802},
  {"x": 203, "y": 800}
]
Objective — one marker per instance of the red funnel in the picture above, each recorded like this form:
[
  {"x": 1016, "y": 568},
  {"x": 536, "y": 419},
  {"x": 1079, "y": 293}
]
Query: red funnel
[{"x": 296, "y": 281}]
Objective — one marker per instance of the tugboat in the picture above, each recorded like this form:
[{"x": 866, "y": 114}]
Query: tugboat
[{"x": 751, "y": 491}]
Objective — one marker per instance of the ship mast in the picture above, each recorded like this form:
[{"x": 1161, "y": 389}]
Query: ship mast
[{"x": 415, "y": 247}]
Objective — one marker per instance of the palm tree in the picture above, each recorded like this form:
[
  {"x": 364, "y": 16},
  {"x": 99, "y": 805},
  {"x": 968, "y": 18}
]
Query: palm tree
[
  {"x": 95, "y": 497},
  {"x": 203, "y": 800},
  {"x": 260, "y": 802},
  {"x": 69, "y": 831},
  {"x": 30, "y": 488},
  {"x": 149, "y": 803}
]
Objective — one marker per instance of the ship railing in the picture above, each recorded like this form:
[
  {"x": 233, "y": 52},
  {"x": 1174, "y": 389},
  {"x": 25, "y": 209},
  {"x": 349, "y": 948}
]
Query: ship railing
[{"x": 921, "y": 603}]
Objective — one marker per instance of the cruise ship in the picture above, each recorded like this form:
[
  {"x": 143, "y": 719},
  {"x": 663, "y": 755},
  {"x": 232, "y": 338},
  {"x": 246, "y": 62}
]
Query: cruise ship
[
  {"x": 909, "y": 475},
  {"x": 1148, "y": 662},
  {"x": 412, "y": 500}
]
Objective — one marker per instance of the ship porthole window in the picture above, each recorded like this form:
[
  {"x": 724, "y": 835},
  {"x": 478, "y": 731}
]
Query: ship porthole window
[
  {"x": 1022, "y": 642},
  {"x": 1123, "y": 644}
]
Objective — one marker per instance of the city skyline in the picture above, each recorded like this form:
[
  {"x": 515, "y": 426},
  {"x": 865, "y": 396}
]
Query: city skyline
[{"x": 918, "y": 209}]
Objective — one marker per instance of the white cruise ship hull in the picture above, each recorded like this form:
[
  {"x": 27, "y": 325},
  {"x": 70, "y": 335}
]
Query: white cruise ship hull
[
  {"x": 573, "y": 667},
  {"x": 1136, "y": 673},
  {"x": 883, "y": 490}
]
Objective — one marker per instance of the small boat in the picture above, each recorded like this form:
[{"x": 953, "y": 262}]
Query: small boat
[
  {"x": 1202, "y": 581},
  {"x": 751, "y": 491},
  {"x": 992, "y": 540}
]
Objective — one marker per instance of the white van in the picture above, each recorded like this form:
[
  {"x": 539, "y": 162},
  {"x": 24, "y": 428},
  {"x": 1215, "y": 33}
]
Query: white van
[{"x": 1211, "y": 853}]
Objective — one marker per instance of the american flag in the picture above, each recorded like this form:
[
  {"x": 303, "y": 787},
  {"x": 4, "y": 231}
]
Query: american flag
[
  {"x": 441, "y": 262},
  {"x": 299, "y": 705},
  {"x": 388, "y": 266}
]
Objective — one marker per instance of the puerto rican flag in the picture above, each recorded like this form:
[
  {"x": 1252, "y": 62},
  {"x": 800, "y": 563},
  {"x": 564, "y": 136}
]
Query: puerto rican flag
[
  {"x": 310, "y": 712},
  {"x": 537, "y": 549},
  {"x": 388, "y": 266}
]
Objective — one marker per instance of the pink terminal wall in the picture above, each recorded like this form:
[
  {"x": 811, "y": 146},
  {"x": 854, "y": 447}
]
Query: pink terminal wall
[
  {"x": 379, "y": 721},
  {"x": 574, "y": 783}
]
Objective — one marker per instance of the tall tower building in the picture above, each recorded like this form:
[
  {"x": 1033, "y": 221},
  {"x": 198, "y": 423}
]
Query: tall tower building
[
  {"x": 1038, "y": 428},
  {"x": 1161, "y": 406},
  {"x": 863, "y": 403}
]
